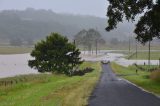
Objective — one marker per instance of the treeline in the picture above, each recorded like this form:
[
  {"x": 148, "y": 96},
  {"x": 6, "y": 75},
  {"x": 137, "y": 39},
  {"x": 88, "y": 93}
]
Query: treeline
[
  {"x": 30, "y": 24},
  {"x": 24, "y": 27}
]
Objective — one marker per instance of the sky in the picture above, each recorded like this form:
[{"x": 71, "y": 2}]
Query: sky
[{"x": 84, "y": 7}]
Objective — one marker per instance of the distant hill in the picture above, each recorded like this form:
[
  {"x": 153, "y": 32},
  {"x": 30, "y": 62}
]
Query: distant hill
[{"x": 36, "y": 24}]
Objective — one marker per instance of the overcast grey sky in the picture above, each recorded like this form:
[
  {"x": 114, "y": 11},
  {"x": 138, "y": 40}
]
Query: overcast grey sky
[{"x": 85, "y": 7}]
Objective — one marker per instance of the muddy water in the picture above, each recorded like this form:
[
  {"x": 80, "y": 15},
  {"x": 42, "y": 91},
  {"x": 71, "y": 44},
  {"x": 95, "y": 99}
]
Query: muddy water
[
  {"x": 17, "y": 64},
  {"x": 118, "y": 58}
]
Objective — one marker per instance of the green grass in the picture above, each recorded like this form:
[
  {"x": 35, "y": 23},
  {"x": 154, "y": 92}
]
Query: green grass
[
  {"x": 149, "y": 67},
  {"x": 125, "y": 46},
  {"x": 141, "y": 79},
  {"x": 15, "y": 50},
  {"x": 50, "y": 90},
  {"x": 144, "y": 56}
]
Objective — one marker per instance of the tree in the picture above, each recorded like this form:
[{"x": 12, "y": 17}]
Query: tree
[
  {"x": 55, "y": 54},
  {"x": 92, "y": 39},
  {"x": 89, "y": 39},
  {"x": 148, "y": 26},
  {"x": 94, "y": 36},
  {"x": 119, "y": 10}
]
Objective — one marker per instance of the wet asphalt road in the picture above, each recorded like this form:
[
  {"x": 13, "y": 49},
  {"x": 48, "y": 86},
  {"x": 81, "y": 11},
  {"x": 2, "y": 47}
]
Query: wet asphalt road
[{"x": 110, "y": 91}]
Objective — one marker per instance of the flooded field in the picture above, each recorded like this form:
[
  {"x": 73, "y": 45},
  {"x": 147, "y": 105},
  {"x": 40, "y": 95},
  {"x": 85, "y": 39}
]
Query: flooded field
[
  {"x": 17, "y": 64},
  {"x": 116, "y": 57}
]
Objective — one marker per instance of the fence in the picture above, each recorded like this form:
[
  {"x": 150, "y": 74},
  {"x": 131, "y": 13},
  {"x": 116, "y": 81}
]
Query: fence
[
  {"x": 129, "y": 57},
  {"x": 144, "y": 69}
]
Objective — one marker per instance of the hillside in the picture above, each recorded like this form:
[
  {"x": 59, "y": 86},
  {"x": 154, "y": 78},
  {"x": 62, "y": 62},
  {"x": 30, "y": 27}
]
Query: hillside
[{"x": 31, "y": 24}]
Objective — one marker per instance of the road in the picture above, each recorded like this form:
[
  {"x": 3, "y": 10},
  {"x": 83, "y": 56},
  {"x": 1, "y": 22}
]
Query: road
[{"x": 111, "y": 91}]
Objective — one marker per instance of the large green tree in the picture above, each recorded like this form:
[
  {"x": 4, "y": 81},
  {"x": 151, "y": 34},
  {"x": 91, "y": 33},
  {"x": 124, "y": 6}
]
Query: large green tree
[
  {"x": 55, "y": 54},
  {"x": 148, "y": 26}
]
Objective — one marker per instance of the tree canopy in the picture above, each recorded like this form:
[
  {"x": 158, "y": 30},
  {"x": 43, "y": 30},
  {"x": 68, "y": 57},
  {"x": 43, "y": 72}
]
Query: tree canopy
[
  {"x": 55, "y": 54},
  {"x": 148, "y": 26},
  {"x": 89, "y": 38}
]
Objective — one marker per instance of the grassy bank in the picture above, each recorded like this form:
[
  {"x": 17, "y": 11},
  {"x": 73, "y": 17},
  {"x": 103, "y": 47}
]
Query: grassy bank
[
  {"x": 141, "y": 79},
  {"x": 14, "y": 50},
  {"x": 50, "y": 90}
]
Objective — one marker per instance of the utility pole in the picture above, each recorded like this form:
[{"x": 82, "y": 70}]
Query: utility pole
[
  {"x": 74, "y": 42},
  {"x": 96, "y": 42},
  {"x": 149, "y": 54},
  {"x": 129, "y": 45},
  {"x": 96, "y": 47},
  {"x": 136, "y": 50},
  {"x": 159, "y": 62}
]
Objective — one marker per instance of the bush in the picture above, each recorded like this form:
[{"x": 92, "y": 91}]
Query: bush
[
  {"x": 88, "y": 70},
  {"x": 82, "y": 72},
  {"x": 155, "y": 75}
]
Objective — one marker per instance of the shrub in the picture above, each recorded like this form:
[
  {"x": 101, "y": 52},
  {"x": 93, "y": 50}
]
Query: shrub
[
  {"x": 155, "y": 75},
  {"x": 82, "y": 72}
]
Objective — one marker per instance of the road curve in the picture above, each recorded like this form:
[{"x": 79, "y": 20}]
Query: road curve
[{"x": 110, "y": 91}]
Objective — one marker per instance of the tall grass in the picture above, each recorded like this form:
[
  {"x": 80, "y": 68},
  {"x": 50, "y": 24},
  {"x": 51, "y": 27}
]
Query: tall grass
[{"x": 155, "y": 75}]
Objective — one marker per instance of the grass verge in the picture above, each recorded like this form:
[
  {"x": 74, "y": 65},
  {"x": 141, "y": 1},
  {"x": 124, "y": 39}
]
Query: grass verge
[
  {"x": 50, "y": 90},
  {"x": 141, "y": 79},
  {"x": 15, "y": 50},
  {"x": 144, "y": 56}
]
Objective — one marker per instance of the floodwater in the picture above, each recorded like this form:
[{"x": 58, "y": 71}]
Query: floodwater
[
  {"x": 118, "y": 58},
  {"x": 17, "y": 64}
]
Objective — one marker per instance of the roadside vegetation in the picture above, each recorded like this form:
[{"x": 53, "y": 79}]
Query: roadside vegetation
[
  {"x": 155, "y": 76},
  {"x": 147, "y": 80},
  {"x": 50, "y": 90}
]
